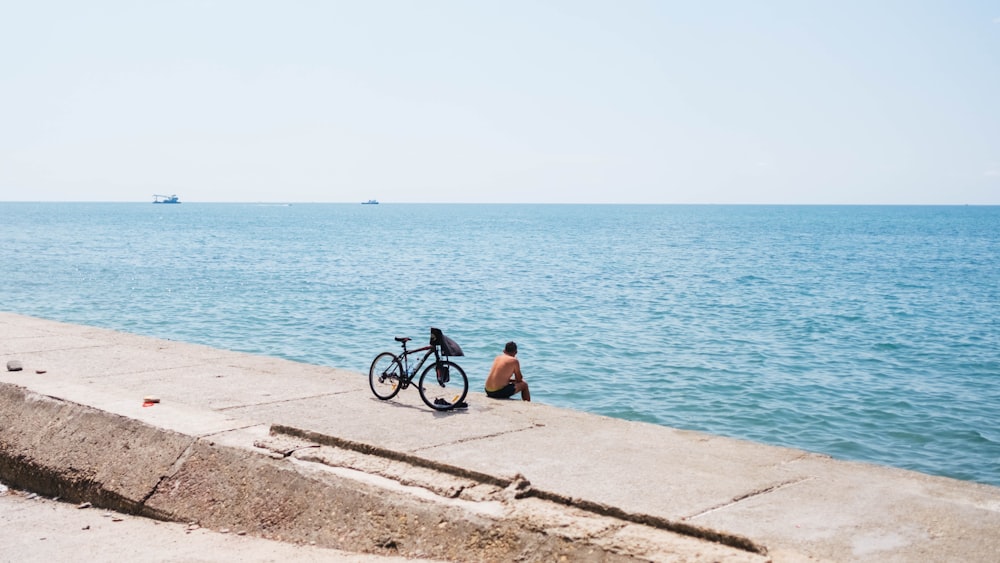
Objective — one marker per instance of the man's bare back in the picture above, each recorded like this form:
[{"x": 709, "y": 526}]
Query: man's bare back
[{"x": 505, "y": 378}]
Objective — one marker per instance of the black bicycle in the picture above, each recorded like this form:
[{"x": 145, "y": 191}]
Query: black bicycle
[{"x": 442, "y": 384}]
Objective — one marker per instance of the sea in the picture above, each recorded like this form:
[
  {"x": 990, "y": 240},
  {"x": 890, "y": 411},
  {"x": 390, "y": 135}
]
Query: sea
[{"x": 862, "y": 332}]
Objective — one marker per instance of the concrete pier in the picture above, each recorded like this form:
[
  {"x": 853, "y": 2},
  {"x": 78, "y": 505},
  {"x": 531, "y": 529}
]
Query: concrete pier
[{"x": 307, "y": 455}]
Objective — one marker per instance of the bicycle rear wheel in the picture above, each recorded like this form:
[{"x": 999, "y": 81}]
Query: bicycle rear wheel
[
  {"x": 385, "y": 375},
  {"x": 443, "y": 385}
]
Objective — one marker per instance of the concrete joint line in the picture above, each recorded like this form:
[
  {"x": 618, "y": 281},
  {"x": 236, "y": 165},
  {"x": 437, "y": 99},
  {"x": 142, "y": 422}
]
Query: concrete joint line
[
  {"x": 68, "y": 348},
  {"x": 477, "y": 438},
  {"x": 171, "y": 471},
  {"x": 171, "y": 368},
  {"x": 245, "y": 405},
  {"x": 683, "y": 528},
  {"x": 751, "y": 494},
  {"x": 228, "y": 430},
  {"x": 30, "y": 337}
]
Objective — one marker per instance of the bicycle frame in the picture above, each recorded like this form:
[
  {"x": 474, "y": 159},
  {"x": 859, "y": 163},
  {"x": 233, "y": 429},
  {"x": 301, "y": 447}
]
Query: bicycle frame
[{"x": 405, "y": 357}]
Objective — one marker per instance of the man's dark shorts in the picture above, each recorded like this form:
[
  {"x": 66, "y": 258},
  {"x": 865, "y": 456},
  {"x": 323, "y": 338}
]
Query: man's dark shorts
[{"x": 505, "y": 393}]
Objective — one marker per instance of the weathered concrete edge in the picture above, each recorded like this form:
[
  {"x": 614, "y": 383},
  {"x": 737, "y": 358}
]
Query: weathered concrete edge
[
  {"x": 183, "y": 485},
  {"x": 47, "y": 446},
  {"x": 705, "y": 533},
  {"x": 189, "y": 475}
]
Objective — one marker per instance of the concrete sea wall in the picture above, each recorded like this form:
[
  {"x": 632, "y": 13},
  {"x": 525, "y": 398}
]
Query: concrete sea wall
[{"x": 306, "y": 454}]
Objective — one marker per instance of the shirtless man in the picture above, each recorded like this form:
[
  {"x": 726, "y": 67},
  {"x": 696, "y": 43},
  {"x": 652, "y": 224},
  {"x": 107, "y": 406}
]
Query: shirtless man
[{"x": 505, "y": 379}]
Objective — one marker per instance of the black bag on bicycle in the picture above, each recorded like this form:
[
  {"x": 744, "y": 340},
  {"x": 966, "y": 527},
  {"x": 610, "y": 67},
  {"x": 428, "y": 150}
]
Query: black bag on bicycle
[
  {"x": 448, "y": 346},
  {"x": 443, "y": 373}
]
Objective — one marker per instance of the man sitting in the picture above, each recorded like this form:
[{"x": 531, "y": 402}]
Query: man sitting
[{"x": 505, "y": 379}]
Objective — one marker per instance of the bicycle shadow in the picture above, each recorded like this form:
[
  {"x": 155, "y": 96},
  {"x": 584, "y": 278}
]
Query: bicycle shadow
[{"x": 421, "y": 407}]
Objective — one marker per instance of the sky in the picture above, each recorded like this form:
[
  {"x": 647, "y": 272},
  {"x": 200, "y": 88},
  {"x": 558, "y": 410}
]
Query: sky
[{"x": 577, "y": 101}]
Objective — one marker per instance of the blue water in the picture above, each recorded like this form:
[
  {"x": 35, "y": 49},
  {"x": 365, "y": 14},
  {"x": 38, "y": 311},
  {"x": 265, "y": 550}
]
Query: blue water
[{"x": 866, "y": 333}]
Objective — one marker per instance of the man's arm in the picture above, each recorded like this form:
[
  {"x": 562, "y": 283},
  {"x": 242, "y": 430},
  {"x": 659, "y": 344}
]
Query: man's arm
[{"x": 517, "y": 370}]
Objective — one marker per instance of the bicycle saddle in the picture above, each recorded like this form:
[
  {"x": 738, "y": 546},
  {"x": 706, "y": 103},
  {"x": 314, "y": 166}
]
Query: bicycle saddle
[{"x": 403, "y": 339}]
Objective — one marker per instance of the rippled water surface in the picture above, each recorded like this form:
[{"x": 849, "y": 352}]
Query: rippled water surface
[{"x": 866, "y": 333}]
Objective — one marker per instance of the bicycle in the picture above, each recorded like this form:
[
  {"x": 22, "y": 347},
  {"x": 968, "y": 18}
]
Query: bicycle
[{"x": 444, "y": 390}]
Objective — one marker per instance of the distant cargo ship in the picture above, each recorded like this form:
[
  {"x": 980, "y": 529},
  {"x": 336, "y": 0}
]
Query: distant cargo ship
[
  {"x": 165, "y": 199},
  {"x": 370, "y": 202}
]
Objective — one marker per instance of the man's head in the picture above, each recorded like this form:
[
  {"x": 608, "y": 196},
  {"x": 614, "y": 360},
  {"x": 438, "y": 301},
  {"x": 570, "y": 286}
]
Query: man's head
[{"x": 510, "y": 348}]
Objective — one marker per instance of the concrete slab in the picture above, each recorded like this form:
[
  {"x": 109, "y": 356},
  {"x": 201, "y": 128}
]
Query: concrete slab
[
  {"x": 800, "y": 506},
  {"x": 656, "y": 470},
  {"x": 855, "y": 511},
  {"x": 404, "y": 423},
  {"x": 170, "y": 415}
]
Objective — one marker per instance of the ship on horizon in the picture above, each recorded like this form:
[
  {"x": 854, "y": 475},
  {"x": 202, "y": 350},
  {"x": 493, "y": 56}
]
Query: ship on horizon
[{"x": 157, "y": 198}]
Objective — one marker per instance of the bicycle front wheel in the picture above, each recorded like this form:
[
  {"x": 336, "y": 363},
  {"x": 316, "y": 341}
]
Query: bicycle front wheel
[
  {"x": 385, "y": 375},
  {"x": 443, "y": 385}
]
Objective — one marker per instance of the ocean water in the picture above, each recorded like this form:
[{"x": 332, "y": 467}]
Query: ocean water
[{"x": 866, "y": 333}]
